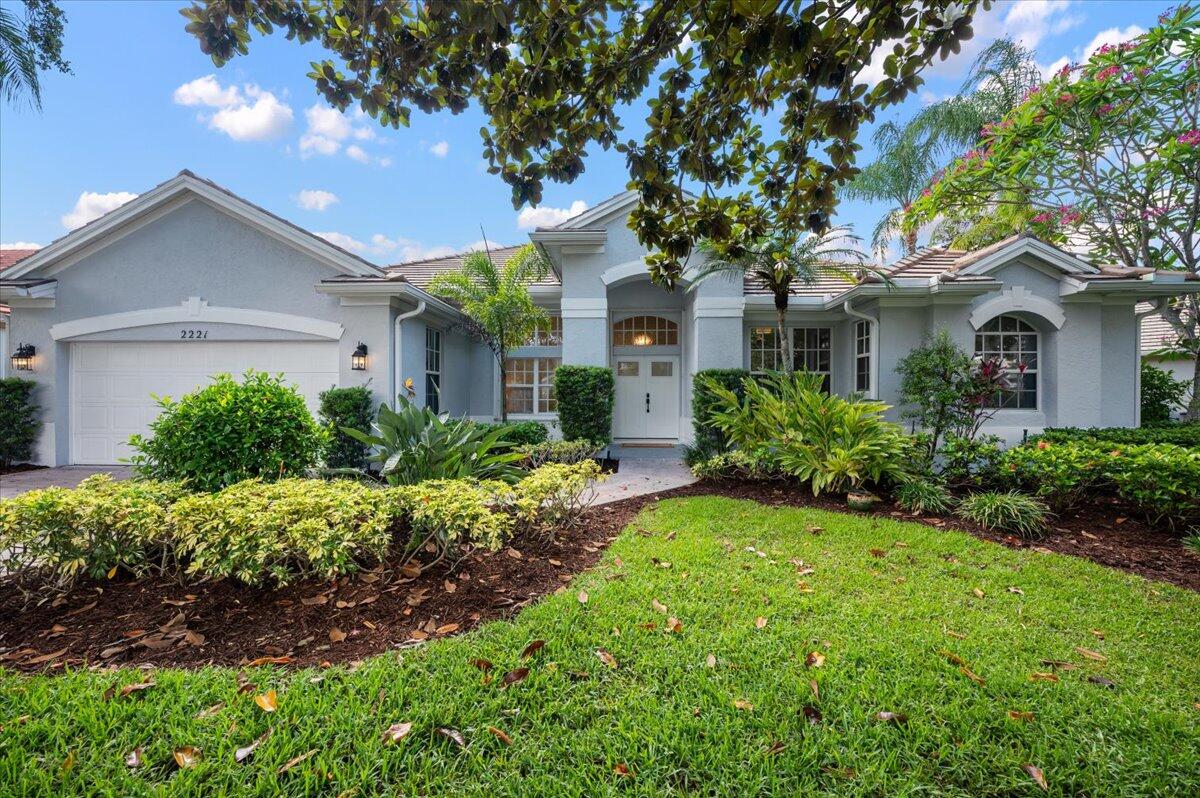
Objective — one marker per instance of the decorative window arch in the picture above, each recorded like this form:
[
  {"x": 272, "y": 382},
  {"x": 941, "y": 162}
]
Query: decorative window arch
[
  {"x": 645, "y": 331},
  {"x": 1017, "y": 344}
]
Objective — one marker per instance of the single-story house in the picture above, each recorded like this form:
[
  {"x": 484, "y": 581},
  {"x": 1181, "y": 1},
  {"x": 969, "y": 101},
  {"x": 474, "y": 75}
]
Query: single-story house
[
  {"x": 1160, "y": 347},
  {"x": 188, "y": 280}
]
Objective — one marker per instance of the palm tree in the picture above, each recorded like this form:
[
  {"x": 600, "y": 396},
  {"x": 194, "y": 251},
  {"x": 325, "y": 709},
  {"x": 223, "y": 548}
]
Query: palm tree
[
  {"x": 780, "y": 262},
  {"x": 29, "y": 46},
  {"x": 904, "y": 168},
  {"x": 495, "y": 298}
]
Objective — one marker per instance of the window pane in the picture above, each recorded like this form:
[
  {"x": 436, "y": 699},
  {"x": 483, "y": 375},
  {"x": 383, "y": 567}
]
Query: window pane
[
  {"x": 433, "y": 392},
  {"x": 1016, "y": 346},
  {"x": 627, "y": 368},
  {"x": 645, "y": 331},
  {"x": 519, "y": 400},
  {"x": 661, "y": 368}
]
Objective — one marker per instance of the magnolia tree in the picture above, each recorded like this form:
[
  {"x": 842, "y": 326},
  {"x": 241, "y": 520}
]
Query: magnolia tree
[
  {"x": 748, "y": 110},
  {"x": 1107, "y": 153}
]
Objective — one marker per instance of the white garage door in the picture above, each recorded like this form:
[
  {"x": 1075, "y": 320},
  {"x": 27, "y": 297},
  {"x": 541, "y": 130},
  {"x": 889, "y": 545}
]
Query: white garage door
[{"x": 112, "y": 383}]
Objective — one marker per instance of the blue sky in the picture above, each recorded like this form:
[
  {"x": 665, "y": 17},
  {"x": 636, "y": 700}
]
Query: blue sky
[{"x": 143, "y": 103}]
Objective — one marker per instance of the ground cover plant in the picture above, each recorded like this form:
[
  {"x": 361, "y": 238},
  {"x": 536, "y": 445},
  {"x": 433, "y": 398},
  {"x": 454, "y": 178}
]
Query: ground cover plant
[{"x": 721, "y": 646}]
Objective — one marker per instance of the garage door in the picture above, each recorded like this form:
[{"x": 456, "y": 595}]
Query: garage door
[{"x": 112, "y": 383}]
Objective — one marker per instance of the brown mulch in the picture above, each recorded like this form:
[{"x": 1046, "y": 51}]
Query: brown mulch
[{"x": 159, "y": 622}]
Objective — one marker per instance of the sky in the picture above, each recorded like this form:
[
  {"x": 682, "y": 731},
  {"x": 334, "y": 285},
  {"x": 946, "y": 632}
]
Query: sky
[{"x": 143, "y": 103}]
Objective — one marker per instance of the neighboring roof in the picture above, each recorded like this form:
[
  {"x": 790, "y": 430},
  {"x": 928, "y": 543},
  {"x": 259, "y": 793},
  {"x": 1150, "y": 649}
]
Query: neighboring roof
[
  {"x": 421, "y": 272},
  {"x": 10, "y": 257},
  {"x": 188, "y": 181},
  {"x": 827, "y": 282}
]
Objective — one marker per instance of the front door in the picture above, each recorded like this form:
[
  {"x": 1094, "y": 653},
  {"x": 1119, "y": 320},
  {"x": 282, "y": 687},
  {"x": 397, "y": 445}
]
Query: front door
[{"x": 647, "y": 398}]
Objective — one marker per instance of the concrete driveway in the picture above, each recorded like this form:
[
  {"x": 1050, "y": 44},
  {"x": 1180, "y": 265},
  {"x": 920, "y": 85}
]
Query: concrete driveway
[{"x": 65, "y": 477}]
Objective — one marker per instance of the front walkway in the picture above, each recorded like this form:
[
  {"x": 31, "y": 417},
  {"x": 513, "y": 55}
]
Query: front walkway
[
  {"x": 65, "y": 477},
  {"x": 639, "y": 476}
]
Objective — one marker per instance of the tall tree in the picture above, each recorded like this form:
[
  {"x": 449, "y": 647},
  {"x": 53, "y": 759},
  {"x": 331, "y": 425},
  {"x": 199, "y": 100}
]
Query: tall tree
[
  {"x": 28, "y": 47},
  {"x": 782, "y": 262},
  {"x": 905, "y": 165},
  {"x": 496, "y": 300},
  {"x": 555, "y": 80},
  {"x": 1108, "y": 155}
]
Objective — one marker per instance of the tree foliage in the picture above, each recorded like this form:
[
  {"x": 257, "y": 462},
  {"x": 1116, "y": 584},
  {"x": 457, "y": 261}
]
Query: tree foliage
[
  {"x": 756, "y": 102},
  {"x": 905, "y": 165},
  {"x": 29, "y": 47}
]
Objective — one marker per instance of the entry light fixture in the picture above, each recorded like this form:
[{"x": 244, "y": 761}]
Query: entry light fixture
[
  {"x": 642, "y": 339},
  {"x": 358, "y": 360},
  {"x": 22, "y": 357}
]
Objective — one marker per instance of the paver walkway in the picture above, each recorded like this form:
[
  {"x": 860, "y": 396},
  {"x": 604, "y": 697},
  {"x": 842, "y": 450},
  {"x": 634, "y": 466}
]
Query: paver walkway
[{"x": 65, "y": 477}]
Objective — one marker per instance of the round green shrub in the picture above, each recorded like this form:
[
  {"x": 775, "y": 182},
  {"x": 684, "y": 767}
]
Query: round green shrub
[
  {"x": 346, "y": 407},
  {"x": 228, "y": 432}
]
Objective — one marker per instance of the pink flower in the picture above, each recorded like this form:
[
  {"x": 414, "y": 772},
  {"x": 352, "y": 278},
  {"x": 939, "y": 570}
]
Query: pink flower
[
  {"x": 1104, "y": 109},
  {"x": 1108, "y": 72},
  {"x": 926, "y": 193},
  {"x": 1066, "y": 70},
  {"x": 1191, "y": 138},
  {"x": 1043, "y": 217},
  {"x": 1066, "y": 97}
]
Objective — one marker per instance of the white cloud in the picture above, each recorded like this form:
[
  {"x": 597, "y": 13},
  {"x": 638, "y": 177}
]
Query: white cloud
[
  {"x": 530, "y": 218},
  {"x": 320, "y": 145},
  {"x": 384, "y": 161},
  {"x": 328, "y": 122},
  {"x": 329, "y": 129},
  {"x": 439, "y": 149},
  {"x": 1109, "y": 36},
  {"x": 20, "y": 245},
  {"x": 207, "y": 91},
  {"x": 357, "y": 153},
  {"x": 314, "y": 199},
  {"x": 344, "y": 241},
  {"x": 92, "y": 205}
]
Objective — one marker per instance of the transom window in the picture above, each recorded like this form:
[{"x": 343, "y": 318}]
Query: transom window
[
  {"x": 549, "y": 334},
  {"x": 862, "y": 356},
  {"x": 1015, "y": 344},
  {"x": 433, "y": 369},
  {"x": 529, "y": 384},
  {"x": 645, "y": 331},
  {"x": 810, "y": 351}
]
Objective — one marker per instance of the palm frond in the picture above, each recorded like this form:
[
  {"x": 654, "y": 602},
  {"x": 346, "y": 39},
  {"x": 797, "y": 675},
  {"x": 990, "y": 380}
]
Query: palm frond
[{"x": 18, "y": 62}]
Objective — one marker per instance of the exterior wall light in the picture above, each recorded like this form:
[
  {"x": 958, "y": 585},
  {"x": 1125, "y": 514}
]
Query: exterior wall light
[
  {"x": 22, "y": 357},
  {"x": 358, "y": 360}
]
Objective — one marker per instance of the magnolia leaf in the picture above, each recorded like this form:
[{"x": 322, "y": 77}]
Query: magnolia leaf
[
  {"x": 453, "y": 735},
  {"x": 187, "y": 756},
  {"x": 336, "y": 635},
  {"x": 659, "y": 606},
  {"x": 482, "y": 664},
  {"x": 296, "y": 760},
  {"x": 711, "y": 660},
  {"x": 815, "y": 659},
  {"x": 1036, "y": 774},
  {"x": 514, "y": 676},
  {"x": 582, "y": 597},
  {"x": 267, "y": 701},
  {"x": 396, "y": 732},
  {"x": 533, "y": 648},
  {"x": 606, "y": 658},
  {"x": 1022, "y": 716},
  {"x": 897, "y": 718},
  {"x": 1092, "y": 655},
  {"x": 760, "y": 622}
]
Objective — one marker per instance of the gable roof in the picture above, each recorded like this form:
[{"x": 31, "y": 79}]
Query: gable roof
[
  {"x": 827, "y": 283},
  {"x": 11, "y": 257},
  {"x": 421, "y": 272},
  {"x": 592, "y": 216},
  {"x": 183, "y": 184}
]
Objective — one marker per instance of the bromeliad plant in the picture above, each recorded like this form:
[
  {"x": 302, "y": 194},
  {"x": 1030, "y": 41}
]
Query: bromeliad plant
[
  {"x": 788, "y": 424},
  {"x": 415, "y": 444}
]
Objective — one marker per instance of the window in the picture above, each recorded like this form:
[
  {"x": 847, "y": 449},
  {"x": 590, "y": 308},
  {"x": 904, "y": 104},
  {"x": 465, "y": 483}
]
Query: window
[
  {"x": 810, "y": 351},
  {"x": 549, "y": 334},
  {"x": 645, "y": 331},
  {"x": 433, "y": 369},
  {"x": 764, "y": 349},
  {"x": 1015, "y": 344},
  {"x": 529, "y": 385},
  {"x": 862, "y": 357}
]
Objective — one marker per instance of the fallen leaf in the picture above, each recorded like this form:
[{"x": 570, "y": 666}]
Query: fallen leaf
[
  {"x": 187, "y": 756},
  {"x": 81, "y": 610},
  {"x": 742, "y": 704},
  {"x": 776, "y": 748},
  {"x": 499, "y": 735},
  {"x": 449, "y": 586},
  {"x": 812, "y": 714},
  {"x": 67, "y": 763},
  {"x": 296, "y": 760},
  {"x": 814, "y": 659},
  {"x": 267, "y": 701},
  {"x": 816, "y": 530},
  {"x": 896, "y": 718},
  {"x": 136, "y": 687},
  {"x": 1092, "y": 655},
  {"x": 243, "y": 753},
  {"x": 315, "y": 600},
  {"x": 711, "y": 660},
  {"x": 955, "y": 635},
  {"x": 1025, "y": 716},
  {"x": 674, "y": 625},
  {"x": 208, "y": 713},
  {"x": 1103, "y": 682},
  {"x": 582, "y": 597},
  {"x": 816, "y": 688},
  {"x": 1014, "y": 589},
  {"x": 254, "y": 663},
  {"x": 336, "y": 635},
  {"x": 658, "y": 606},
  {"x": 1036, "y": 774},
  {"x": 516, "y": 555},
  {"x": 623, "y": 770},
  {"x": 411, "y": 570},
  {"x": 606, "y": 658},
  {"x": 1043, "y": 677},
  {"x": 1098, "y": 634},
  {"x": 978, "y": 593},
  {"x": 47, "y": 657},
  {"x": 878, "y": 553},
  {"x": 396, "y": 732},
  {"x": 513, "y": 676},
  {"x": 453, "y": 735},
  {"x": 134, "y": 758},
  {"x": 447, "y": 628},
  {"x": 760, "y": 622},
  {"x": 532, "y": 648}
]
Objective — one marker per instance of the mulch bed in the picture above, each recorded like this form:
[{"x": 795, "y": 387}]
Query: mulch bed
[{"x": 158, "y": 622}]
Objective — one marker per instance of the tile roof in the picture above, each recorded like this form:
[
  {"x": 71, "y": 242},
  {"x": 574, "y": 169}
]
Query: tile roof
[
  {"x": 827, "y": 282},
  {"x": 421, "y": 272},
  {"x": 10, "y": 257}
]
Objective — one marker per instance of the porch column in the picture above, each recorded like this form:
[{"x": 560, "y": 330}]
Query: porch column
[{"x": 585, "y": 331}]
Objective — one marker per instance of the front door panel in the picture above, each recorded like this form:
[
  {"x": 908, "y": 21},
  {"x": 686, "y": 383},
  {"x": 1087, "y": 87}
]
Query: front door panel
[
  {"x": 647, "y": 397},
  {"x": 629, "y": 417}
]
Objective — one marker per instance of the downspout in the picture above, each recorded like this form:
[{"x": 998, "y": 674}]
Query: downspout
[
  {"x": 1156, "y": 306},
  {"x": 398, "y": 345},
  {"x": 848, "y": 307}
]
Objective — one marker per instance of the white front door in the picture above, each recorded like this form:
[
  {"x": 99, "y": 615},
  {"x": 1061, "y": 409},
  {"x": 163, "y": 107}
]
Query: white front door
[{"x": 647, "y": 397}]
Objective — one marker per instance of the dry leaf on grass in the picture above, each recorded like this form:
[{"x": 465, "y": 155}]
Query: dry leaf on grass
[
  {"x": 658, "y": 606},
  {"x": 711, "y": 660},
  {"x": 514, "y": 676},
  {"x": 606, "y": 658},
  {"x": 1092, "y": 655},
  {"x": 208, "y": 713},
  {"x": 814, "y": 659},
  {"x": 254, "y": 663},
  {"x": 134, "y": 758},
  {"x": 897, "y": 718},
  {"x": 187, "y": 756},
  {"x": 243, "y": 753},
  {"x": 453, "y": 735},
  {"x": 296, "y": 760},
  {"x": 533, "y": 648},
  {"x": 972, "y": 675},
  {"x": 743, "y": 704},
  {"x": 46, "y": 657},
  {"x": 623, "y": 770},
  {"x": 674, "y": 625},
  {"x": 582, "y": 597},
  {"x": 267, "y": 701},
  {"x": 760, "y": 622},
  {"x": 1036, "y": 774},
  {"x": 1023, "y": 716},
  {"x": 396, "y": 732},
  {"x": 499, "y": 735},
  {"x": 1043, "y": 677}
]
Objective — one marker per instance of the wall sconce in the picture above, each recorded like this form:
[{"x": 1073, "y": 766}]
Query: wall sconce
[
  {"x": 358, "y": 360},
  {"x": 22, "y": 358}
]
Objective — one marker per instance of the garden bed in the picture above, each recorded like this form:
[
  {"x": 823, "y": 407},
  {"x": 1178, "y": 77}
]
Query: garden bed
[{"x": 160, "y": 622}]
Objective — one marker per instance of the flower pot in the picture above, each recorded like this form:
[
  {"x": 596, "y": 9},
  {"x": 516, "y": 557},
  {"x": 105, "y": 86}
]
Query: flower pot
[{"x": 861, "y": 501}]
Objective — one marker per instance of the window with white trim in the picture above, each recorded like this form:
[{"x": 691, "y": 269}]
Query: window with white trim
[
  {"x": 862, "y": 356},
  {"x": 433, "y": 369},
  {"x": 764, "y": 349},
  {"x": 811, "y": 347},
  {"x": 529, "y": 385},
  {"x": 548, "y": 334},
  {"x": 1015, "y": 344},
  {"x": 645, "y": 331}
]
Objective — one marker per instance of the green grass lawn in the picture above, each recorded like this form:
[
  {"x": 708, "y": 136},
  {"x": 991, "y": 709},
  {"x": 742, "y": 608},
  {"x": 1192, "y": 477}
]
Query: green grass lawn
[{"x": 666, "y": 720}]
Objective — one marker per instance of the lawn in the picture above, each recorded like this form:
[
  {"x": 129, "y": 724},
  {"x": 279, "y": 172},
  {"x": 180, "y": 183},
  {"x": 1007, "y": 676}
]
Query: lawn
[{"x": 773, "y": 681}]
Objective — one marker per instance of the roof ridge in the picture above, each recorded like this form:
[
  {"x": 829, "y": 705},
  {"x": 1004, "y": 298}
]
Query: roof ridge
[{"x": 459, "y": 254}]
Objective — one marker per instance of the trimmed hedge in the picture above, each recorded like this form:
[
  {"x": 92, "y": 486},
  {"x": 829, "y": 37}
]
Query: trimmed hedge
[
  {"x": 708, "y": 438},
  {"x": 1178, "y": 434},
  {"x": 346, "y": 407},
  {"x": 19, "y": 422},
  {"x": 585, "y": 403}
]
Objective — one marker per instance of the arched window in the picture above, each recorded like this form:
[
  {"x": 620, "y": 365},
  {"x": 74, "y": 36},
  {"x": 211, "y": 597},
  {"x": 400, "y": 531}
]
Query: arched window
[
  {"x": 1015, "y": 343},
  {"x": 645, "y": 331}
]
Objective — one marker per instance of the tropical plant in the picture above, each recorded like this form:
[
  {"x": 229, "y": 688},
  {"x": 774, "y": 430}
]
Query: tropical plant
[
  {"x": 964, "y": 462},
  {"x": 782, "y": 262},
  {"x": 30, "y": 47},
  {"x": 1192, "y": 542},
  {"x": 1187, "y": 435},
  {"x": 1012, "y": 513},
  {"x": 553, "y": 497},
  {"x": 1162, "y": 394},
  {"x": 19, "y": 422},
  {"x": 923, "y": 496},
  {"x": 413, "y": 444},
  {"x": 495, "y": 298},
  {"x": 230, "y": 431},
  {"x": 345, "y": 407},
  {"x": 790, "y": 425},
  {"x": 554, "y": 85},
  {"x": 585, "y": 403},
  {"x": 1107, "y": 153},
  {"x": 708, "y": 440},
  {"x": 903, "y": 169}
]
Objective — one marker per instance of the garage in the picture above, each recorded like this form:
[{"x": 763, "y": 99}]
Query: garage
[{"x": 112, "y": 383}]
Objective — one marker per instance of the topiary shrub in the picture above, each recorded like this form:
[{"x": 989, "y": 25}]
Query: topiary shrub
[
  {"x": 585, "y": 403},
  {"x": 710, "y": 440},
  {"x": 346, "y": 407},
  {"x": 19, "y": 422},
  {"x": 228, "y": 432},
  {"x": 1012, "y": 512}
]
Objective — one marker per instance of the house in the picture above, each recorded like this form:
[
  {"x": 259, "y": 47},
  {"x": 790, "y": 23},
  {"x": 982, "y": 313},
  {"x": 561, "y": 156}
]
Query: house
[
  {"x": 189, "y": 280},
  {"x": 1160, "y": 346}
]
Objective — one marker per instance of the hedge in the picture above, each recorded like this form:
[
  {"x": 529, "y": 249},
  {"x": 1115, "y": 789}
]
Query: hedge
[
  {"x": 19, "y": 423},
  {"x": 708, "y": 438},
  {"x": 346, "y": 407},
  {"x": 585, "y": 403},
  {"x": 520, "y": 433},
  {"x": 1178, "y": 434}
]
